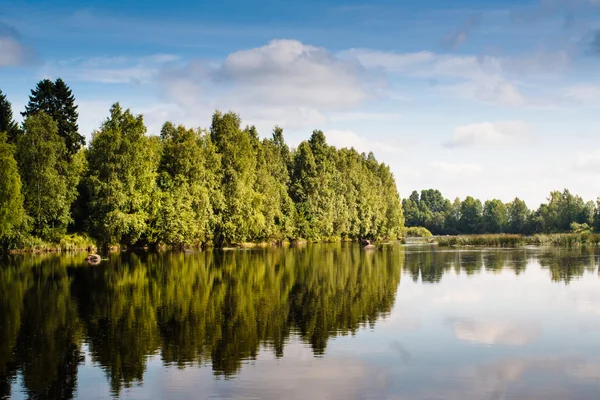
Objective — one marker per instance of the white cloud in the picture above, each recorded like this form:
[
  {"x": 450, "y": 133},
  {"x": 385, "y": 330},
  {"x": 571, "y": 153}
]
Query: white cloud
[
  {"x": 284, "y": 82},
  {"x": 488, "y": 79},
  {"x": 113, "y": 70},
  {"x": 350, "y": 139},
  {"x": 282, "y": 73},
  {"x": 490, "y": 133}
]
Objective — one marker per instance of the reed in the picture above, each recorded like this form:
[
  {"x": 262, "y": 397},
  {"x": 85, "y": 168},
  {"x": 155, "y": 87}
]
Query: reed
[{"x": 509, "y": 240}]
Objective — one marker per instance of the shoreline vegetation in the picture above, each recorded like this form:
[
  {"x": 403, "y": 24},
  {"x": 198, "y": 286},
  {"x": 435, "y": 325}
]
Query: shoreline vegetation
[
  {"x": 225, "y": 187},
  {"x": 515, "y": 240},
  {"x": 180, "y": 187}
]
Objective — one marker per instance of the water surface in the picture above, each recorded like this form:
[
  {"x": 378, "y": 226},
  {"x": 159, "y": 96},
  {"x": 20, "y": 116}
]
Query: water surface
[{"x": 319, "y": 322}]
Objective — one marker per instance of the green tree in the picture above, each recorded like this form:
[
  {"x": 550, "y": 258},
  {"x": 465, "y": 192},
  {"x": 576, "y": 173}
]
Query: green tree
[
  {"x": 123, "y": 164},
  {"x": 185, "y": 214},
  {"x": 45, "y": 176},
  {"x": 596, "y": 221},
  {"x": 241, "y": 216},
  {"x": 12, "y": 213},
  {"x": 517, "y": 216},
  {"x": 470, "y": 215},
  {"x": 494, "y": 216},
  {"x": 57, "y": 100},
  {"x": 7, "y": 122},
  {"x": 412, "y": 213}
]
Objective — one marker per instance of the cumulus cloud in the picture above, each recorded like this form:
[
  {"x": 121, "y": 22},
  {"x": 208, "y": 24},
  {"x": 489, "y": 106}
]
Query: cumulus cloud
[
  {"x": 283, "y": 80},
  {"x": 12, "y": 51},
  {"x": 350, "y": 139},
  {"x": 489, "y": 133},
  {"x": 282, "y": 73},
  {"x": 515, "y": 333}
]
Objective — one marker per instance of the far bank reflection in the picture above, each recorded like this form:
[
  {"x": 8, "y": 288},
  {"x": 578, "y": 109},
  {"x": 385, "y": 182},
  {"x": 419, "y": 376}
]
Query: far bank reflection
[{"x": 430, "y": 263}]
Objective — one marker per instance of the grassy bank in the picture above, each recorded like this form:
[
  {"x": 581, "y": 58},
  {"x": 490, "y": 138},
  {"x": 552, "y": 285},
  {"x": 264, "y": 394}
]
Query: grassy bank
[
  {"x": 67, "y": 243},
  {"x": 507, "y": 240}
]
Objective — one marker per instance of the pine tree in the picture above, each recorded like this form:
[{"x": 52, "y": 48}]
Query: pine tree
[
  {"x": 7, "y": 123},
  {"x": 57, "y": 100}
]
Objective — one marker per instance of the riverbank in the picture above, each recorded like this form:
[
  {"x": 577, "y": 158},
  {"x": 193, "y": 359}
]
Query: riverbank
[
  {"x": 82, "y": 243},
  {"x": 67, "y": 243},
  {"x": 509, "y": 240}
]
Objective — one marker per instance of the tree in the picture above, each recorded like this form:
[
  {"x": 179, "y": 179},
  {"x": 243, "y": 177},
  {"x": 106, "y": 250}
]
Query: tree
[
  {"x": 240, "y": 216},
  {"x": 7, "y": 123},
  {"x": 123, "y": 164},
  {"x": 494, "y": 216},
  {"x": 411, "y": 210},
  {"x": 12, "y": 212},
  {"x": 470, "y": 215},
  {"x": 596, "y": 221},
  {"x": 517, "y": 216},
  {"x": 185, "y": 214},
  {"x": 48, "y": 195},
  {"x": 56, "y": 99}
]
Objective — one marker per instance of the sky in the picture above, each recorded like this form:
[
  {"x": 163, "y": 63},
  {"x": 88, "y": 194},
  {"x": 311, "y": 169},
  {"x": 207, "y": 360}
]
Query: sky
[{"x": 493, "y": 99}]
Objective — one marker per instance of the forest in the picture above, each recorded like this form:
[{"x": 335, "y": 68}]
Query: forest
[
  {"x": 181, "y": 186},
  {"x": 564, "y": 212}
]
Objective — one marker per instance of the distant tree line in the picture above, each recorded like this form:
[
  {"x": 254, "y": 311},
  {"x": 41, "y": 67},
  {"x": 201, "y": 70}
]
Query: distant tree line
[
  {"x": 185, "y": 186},
  {"x": 563, "y": 212}
]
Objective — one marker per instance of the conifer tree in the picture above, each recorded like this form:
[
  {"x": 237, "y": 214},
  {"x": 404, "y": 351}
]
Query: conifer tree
[
  {"x": 57, "y": 100},
  {"x": 7, "y": 123}
]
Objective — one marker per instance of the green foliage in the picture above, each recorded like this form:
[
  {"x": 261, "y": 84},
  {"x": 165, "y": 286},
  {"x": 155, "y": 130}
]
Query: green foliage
[
  {"x": 56, "y": 99},
  {"x": 47, "y": 178},
  {"x": 12, "y": 213},
  {"x": 343, "y": 193},
  {"x": 416, "y": 231},
  {"x": 185, "y": 212},
  {"x": 122, "y": 172},
  {"x": 7, "y": 123},
  {"x": 582, "y": 238},
  {"x": 518, "y": 216},
  {"x": 580, "y": 228},
  {"x": 494, "y": 216},
  {"x": 469, "y": 217}
]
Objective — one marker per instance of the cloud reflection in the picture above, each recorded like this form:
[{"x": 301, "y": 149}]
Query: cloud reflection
[{"x": 514, "y": 333}]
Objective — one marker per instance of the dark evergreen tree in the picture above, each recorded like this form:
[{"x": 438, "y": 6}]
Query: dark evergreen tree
[
  {"x": 7, "y": 122},
  {"x": 57, "y": 100}
]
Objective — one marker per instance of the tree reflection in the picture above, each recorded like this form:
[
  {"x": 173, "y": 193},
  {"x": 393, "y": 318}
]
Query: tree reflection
[{"x": 568, "y": 264}]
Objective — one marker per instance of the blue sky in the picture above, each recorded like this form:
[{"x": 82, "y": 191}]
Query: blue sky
[{"x": 490, "y": 99}]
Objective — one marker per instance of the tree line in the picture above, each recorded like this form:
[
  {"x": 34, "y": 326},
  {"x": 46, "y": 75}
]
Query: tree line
[
  {"x": 563, "y": 212},
  {"x": 185, "y": 186}
]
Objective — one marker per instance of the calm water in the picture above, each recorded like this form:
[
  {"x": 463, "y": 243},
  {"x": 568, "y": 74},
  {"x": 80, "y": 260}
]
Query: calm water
[{"x": 320, "y": 322}]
